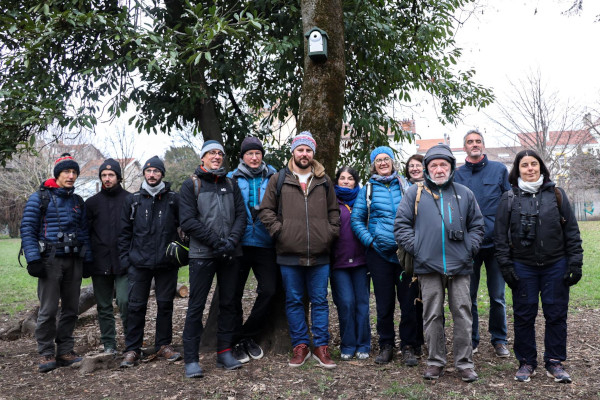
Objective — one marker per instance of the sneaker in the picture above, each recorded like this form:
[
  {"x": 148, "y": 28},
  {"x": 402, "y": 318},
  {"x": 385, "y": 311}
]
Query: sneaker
[
  {"x": 193, "y": 370},
  {"x": 386, "y": 353},
  {"x": 239, "y": 352},
  {"x": 501, "y": 350},
  {"x": 433, "y": 372},
  {"x": 362, "y": 355},
  {"x": 70, "y": 358},
  {"x": 408, "y": 356},
  {"x": 110, "y": 350},
  {"x": 346, "y": 357},
  {"x": 168, "y": 352},
  {"x": 47, "y": 363},
  {"x": 525, "y": 373},
  {"x": 253, "y": 349},
  {"x": 475, "y": 350},
  {"x": 301, "y": 354},
  {"x": 226, "y": 360},
  {"x": 130, "y": 359},
  {"x": 321, "y": 354},
  {"x": 557, "y": 371},
  {"x": 468, "y": 375}
]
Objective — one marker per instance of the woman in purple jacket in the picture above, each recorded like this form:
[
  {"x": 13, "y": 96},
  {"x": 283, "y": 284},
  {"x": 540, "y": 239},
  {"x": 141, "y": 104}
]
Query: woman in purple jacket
[{"x": 349, "y": 280}]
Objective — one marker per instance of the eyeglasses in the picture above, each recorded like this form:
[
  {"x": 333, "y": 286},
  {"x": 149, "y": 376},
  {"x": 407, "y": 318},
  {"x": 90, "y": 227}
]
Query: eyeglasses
[
  {"x": 213, "y": 153},
  {"x": 152, "y": 171},
  {"x": 253, "y": 154},
  {"x": 385, "y": 160}
]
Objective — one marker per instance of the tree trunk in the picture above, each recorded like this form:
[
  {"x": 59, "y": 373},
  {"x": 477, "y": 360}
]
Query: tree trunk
[{"x": 322, "y": 99}]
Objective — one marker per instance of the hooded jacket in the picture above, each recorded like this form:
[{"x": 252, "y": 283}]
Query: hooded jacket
[
  {"x": 253, "y": 190},
  {"x": 218, "y": 212},
  {"x": 104, "y": 216},
  {"x": 148, "y": 224},
  {"x": 442, "y": 210},
  {"x": 487, "y": 180},
  {"x": 308, "y": 224},
  {"x": 64, "y": 214},
  {"x": 553, "y": 240}
]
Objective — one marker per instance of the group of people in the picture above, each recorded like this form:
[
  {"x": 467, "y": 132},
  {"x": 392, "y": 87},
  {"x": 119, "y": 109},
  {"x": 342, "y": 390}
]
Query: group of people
[{"x": 299, "y": 229}]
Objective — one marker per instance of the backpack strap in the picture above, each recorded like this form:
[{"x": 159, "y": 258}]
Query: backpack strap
[
  {"x": 134, "y": 205},
  {"x": 280, "y": 179},
  {"x": 197, "y": 184},
  {"x": 559, "y": 200},
  {"x": 369, "y": 198}
]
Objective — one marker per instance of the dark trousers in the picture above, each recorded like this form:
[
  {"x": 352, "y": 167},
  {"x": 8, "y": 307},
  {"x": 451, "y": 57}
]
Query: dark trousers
[
  {"x": 263, "y": 263},
  {"x": 165, "y": 283},
  {"x": 105, "y": 287},
  {"x": 387, "y": 286},
  {"x": 202, "y": 273},
  {"x": 547, "y": 282},
  {"x": 62, "y": 283}
]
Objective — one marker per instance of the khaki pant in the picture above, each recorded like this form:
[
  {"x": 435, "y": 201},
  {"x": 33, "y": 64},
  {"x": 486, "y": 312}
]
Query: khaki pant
[{"x": 433, "y": 288}]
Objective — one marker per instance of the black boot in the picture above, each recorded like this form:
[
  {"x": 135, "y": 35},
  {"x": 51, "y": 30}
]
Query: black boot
[{"x": 386, "y": 353}]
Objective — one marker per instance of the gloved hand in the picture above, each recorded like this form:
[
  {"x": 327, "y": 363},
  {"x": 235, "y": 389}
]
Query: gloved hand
[
  {"x": 510, "y": 276},
  {"x": 573, "y": 275},
  {"x": 224, "y": 249},
  {"x": 37, "y": 268},
  {"x": 87, "y": 269}
]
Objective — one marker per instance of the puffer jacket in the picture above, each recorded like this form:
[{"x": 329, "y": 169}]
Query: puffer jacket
[
  {"x": 253, "y": 190},
  {"x": 380, "y": 232},
  {"x": 487, "y": 180},
  {"x": 144, "y": 239},
  {"x": 218, "y": 212},
  {"x": 104, "y": 216},
  {"x": 426, "y": 236},
  {"x": 308, "y": 224},
  {"x": 64, "y": 214},
  {"x": 553, "y": 240}
]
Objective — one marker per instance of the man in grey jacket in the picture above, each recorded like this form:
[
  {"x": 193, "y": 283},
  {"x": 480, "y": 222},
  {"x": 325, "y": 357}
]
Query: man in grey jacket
[{"x": 443, "y": 233}]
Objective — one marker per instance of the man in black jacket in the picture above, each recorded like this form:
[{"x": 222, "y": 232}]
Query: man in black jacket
[
  {"x": 213, "y": 214},
  {"x": 108, "y": 276},
  {"x": 149, "y": 222}
]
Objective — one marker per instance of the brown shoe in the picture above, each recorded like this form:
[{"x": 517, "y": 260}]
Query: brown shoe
[
  {"x": 433, "y": 372},
  {"x": 64, "y": 360},
  {"x": 301, "y": 354},
  {"x": 130, "y": 359},
  {"x": 321, "y": 354},
  {"x": 468, "y": 375},
  {"x": 167, "y": 351}
]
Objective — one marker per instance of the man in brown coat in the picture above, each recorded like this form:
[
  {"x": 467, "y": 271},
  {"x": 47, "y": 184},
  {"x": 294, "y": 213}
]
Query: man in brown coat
[{"x": 301, "y": 213}]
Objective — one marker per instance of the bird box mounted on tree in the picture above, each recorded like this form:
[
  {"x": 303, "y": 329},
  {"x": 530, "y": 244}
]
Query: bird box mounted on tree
[{"x": 317, "y": 44}]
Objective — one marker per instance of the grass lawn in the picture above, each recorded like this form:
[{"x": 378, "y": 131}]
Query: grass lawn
[{"x": 18, "y": 289}]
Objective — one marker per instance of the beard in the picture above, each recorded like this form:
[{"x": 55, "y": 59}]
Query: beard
[{"x": 299, "y": 165}]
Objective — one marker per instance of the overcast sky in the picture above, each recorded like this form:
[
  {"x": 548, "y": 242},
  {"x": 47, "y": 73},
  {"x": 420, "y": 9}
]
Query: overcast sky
[{"x": 509, "y": 38}]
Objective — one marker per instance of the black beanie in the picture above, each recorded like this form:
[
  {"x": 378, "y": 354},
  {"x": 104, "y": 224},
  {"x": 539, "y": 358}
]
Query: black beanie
[
  {"x": 155, "y": 162},
  {"x": 65, "y": 161},
  {"x": 111, "y": 164},
  {"x": 251, "y": 143}
]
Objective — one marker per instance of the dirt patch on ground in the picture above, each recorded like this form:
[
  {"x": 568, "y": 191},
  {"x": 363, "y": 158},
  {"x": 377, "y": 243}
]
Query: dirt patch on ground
[{"x": 271, "y": 378}]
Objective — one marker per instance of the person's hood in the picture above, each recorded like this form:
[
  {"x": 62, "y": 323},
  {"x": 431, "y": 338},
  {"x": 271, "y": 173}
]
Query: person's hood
[
  {"x": 440, "y": 151},
  {"x": 318, "y": 169}
]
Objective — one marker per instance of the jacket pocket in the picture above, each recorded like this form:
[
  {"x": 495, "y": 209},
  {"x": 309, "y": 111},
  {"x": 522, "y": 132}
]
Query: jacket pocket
[{"x": 383, "y": 239}]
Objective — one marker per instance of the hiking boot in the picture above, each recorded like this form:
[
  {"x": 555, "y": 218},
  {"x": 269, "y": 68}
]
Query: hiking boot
[
  {"x": 433, "y": 372},
  {"x": 386, "y": 353},
  {"x": 47, "y": 363},
  {"x": 239, "y": 352},
  {"x": 418, "y": 350},
  {"x": 408, "y": 356},
  {"x": 226, "y": 360},
  {"x": 501, "y": 350},
  {"x": 360, "y": 355},
  {"x": 70, "y": 358},
  {"x": 301, "y": 354},
  {"x": 167, "y": 352},
  {"x": 193, "y": 370},
  {"x": 253, "y": 349},
  {"x": 346, "y": 357},
  {"x": 321, "y": 354},
  {"x": 525, "y": 373},
  {"x": 468, "y": 375},
  {"x": 130, "y": 359},
  {"x": 557, "y": 371}
]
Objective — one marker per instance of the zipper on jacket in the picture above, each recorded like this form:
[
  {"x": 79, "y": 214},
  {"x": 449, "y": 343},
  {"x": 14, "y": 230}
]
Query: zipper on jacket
[
  {"x": 307, "y": 223},
  {"x": 443, "y": 231}
]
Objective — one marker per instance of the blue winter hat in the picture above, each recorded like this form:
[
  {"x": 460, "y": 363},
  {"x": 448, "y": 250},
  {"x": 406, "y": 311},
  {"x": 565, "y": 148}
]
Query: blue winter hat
[{"x": 381, "y": 150}]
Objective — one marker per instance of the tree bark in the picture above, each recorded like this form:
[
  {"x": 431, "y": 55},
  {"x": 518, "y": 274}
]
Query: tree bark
[{"x": 322, "y": 99}]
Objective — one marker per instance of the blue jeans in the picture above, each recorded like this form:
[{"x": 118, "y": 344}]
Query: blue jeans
[
  {"x": 547, "y": 281},
  {"x": 350, "y": 290},
  {"x": 298, "y": 280},
  {"x": 496, "y": 287}
]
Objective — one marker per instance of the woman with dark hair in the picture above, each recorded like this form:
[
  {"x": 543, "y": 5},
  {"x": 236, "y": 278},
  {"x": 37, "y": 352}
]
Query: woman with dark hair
[
  {"x": 373, "y": 223},
  {"x": 413, "y": 169},
  {"x": 349, "y": 281},
  {"x": 538, "y": 246}
]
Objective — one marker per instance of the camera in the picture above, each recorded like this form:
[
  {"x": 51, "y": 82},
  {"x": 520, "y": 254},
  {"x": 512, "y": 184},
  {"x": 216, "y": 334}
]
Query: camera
[{"x": 456, "y": 235}]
